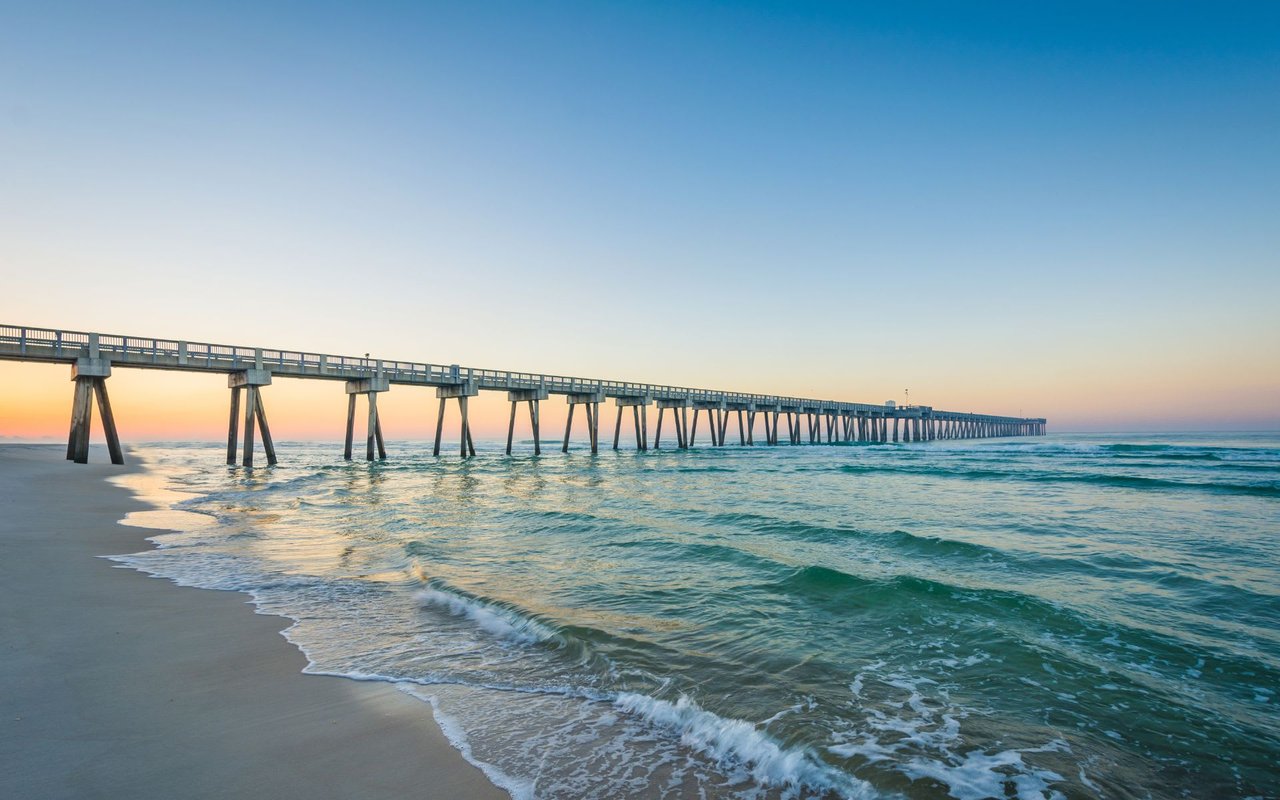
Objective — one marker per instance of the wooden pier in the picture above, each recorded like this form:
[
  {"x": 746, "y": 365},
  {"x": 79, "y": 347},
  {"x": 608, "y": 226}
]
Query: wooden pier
[{"x": 92, "y": 356}]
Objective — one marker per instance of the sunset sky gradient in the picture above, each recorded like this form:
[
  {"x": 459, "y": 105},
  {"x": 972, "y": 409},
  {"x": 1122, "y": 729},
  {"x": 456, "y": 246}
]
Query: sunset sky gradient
[{"x": 1063, "y": 210}]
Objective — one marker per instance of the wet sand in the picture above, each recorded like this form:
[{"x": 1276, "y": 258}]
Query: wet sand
[{"x": 117, "y": 684}]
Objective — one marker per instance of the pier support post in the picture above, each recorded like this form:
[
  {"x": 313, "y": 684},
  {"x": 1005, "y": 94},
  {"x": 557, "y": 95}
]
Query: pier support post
[
  {"x": 90, "y": 377},
  {"x": 233, "y": 426},
  {"x": 351, "y": 424},
  {"x": 251, "y": 381},
  {"x": 591, "y": 401},
  {"x": 461, "y": 392},
  {"x": 637, "y": 404},
  {"x": 679, "y": 414},
  {"x": 533, "y": 397},
  {"x": 467, "y": 447},
  {"x": 715, "y": 422},
  {"x": 369, "y": 387}
]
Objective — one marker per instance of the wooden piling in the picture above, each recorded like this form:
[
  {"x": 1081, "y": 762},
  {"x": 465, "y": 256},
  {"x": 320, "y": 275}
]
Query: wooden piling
[
  {"x": 537, "y": 435},
  {"x": 466, "y": 446},
  {"x": 435, "y": 451},
  {"x": 568, "y": 426},
  {"x": 250, "y": 416},
  {"x": 351, "y": 426},
  {"x": 108, "y": 421},
  {"x": 595, "y": 428},
  {"x": 233, "y": 427},
  {"x": 511, "y": 426},
  {"x": 635, "y": 418},
  {"x": 260, "y": 412},
  {"x": 81, "y": 418},
  {"x": 369, "y": 425}
]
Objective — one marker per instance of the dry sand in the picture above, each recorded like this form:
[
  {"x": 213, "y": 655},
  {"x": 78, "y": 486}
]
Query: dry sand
[{"x": 118, "y": 685}]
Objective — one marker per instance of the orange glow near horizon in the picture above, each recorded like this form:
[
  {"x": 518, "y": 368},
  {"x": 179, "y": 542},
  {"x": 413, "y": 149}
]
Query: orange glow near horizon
[{"x": 161, "y": 405}]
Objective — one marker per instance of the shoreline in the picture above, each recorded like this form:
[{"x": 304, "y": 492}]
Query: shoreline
[{"x": 121, "y": 684}]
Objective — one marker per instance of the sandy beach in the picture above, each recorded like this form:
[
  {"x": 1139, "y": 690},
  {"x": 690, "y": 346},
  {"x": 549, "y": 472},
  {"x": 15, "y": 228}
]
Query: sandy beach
[{"x": 117, "y": 684}]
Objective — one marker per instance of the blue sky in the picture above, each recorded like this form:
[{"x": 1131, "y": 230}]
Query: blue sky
[{"x": 1068, "y": 209}]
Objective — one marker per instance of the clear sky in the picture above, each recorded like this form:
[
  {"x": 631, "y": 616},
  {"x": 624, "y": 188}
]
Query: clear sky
[{"x": 1069, "y": 210}]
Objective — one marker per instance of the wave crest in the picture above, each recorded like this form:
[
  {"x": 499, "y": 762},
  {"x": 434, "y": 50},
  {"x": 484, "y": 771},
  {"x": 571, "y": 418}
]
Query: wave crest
[
  {"x": 735, "y": 742},
  {"x": 494, "y": 618}
]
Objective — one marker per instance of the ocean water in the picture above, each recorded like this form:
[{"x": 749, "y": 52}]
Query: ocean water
[{"x": 1061, "y": 616}]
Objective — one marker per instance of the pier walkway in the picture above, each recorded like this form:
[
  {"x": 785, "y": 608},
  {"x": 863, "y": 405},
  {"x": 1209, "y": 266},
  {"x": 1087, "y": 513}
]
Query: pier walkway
[{"x": 92, "y": 356}]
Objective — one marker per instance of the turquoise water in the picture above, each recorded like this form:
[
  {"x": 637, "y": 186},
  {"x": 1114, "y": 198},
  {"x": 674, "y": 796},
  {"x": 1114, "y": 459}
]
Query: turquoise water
[{"x": 1075, "y": 616}]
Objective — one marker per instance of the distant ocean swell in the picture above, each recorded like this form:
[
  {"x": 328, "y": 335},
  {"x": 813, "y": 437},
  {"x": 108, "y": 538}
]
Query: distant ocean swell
[{"x": 1077, "y": 616}]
